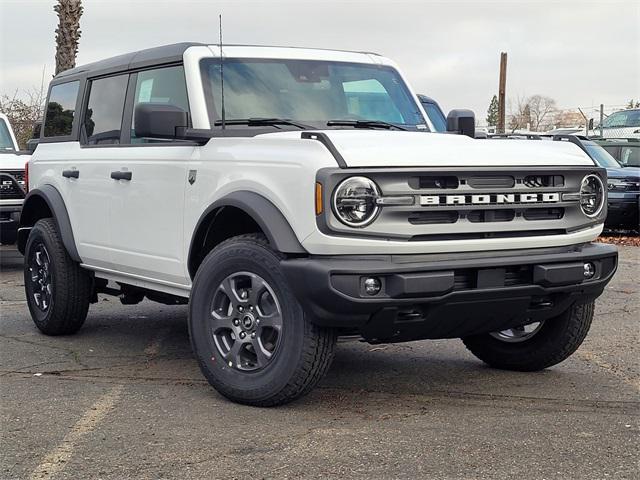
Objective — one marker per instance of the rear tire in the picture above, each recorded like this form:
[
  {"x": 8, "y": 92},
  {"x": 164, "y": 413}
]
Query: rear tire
[
  {"x": 552, "y": 343},
  {"x": 58, "y": 290},
  {"x": 249, "y": 333}
]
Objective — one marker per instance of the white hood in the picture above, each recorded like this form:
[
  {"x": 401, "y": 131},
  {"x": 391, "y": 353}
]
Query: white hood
[
  {"x": 381, "y": 148},
  {"x": 11, "y": 161}
]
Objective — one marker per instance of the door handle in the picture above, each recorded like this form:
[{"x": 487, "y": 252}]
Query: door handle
[
  {"x": 120, "y": 175},
  {"x": 71, "y": 173}
]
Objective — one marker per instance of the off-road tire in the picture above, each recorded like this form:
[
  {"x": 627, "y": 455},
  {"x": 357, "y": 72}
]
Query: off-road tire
[
  {"x": 306, "y": 351},
  {"x": 557, "y": 339},
  {"x": 72, "y": 285}
]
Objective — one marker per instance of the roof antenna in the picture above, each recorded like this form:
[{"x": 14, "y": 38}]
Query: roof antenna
[{"x": 221, "y": 75}]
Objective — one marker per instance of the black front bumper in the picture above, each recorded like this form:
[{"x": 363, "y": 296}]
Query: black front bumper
[
  {"x": 9, "y": 222},
  {"x": 447, "y": 295}
]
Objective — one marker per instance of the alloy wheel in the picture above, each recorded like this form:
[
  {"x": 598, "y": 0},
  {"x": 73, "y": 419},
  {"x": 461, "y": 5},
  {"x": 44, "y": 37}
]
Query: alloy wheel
[{"x": 246, "y": 321}]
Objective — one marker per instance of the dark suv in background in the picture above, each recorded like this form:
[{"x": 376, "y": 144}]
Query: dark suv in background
[{"x": 625, "y": 150}]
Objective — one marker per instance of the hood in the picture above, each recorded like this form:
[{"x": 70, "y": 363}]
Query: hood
[
  {"x": 382, "y": 148},
  {"x": 13, "y": 161},
  {"x": 624, "y": 172}
]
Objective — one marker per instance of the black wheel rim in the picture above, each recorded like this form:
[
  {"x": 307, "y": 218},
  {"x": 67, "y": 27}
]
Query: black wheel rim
[
  {"x": 246, "y": 321},
  {"x": 40, "y": 277}
]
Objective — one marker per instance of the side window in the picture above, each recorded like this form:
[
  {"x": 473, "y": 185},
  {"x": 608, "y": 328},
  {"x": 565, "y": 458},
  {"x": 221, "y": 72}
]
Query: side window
[
  {"x": 630, "y": 156},
  {"x": 61, "y": 109},
  {"x": 103, "y": 118},
  {"x": 163, "y": 85}
]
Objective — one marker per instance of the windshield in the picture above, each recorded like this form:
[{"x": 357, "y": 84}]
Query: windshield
[
  {"x": 602, "y": 157},
  {"x": 309, "y": 92},
  {"x": 6, "y": 143},
  {"x": 628, "y": 118}
]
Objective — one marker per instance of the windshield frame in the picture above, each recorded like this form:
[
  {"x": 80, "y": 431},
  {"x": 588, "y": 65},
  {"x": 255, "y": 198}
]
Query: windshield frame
[{"x": 214, "y": 118}]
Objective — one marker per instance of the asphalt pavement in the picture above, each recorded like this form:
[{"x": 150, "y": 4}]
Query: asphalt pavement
[{"x": 124, "y": 399}]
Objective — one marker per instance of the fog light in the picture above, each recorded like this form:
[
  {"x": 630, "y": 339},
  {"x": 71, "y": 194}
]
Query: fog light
[
  {"x": 589, "y": 270},
  {"x": 372, "y": 286}
]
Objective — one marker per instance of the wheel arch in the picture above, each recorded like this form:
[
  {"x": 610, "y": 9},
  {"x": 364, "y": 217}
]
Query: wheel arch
[
  {"x": 251, "y": 212},
  {"x": 43, "y": 202}
]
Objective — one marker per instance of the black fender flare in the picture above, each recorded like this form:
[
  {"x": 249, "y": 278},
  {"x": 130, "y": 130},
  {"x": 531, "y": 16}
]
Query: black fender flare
[
  {"x": 270, "y": 220},
  {"x": 29, "y": 216}
]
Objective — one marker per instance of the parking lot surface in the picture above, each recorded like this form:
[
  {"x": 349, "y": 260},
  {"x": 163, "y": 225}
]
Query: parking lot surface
[{"x": 125, "y": 399}]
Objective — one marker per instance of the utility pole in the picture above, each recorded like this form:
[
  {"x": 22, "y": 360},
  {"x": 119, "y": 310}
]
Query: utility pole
[
  {"x": 601, "y": 119},
  {"x": 501, "y": 92}
]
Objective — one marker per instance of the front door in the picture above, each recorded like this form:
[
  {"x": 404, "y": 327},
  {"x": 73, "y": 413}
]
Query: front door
[{"x": 147, "y": 194}]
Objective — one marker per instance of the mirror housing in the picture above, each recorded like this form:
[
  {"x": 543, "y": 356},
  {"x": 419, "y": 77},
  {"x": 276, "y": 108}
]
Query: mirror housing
[
  {"x": 32, "y": 143},
  {"x": 462, "y": 121},
  {"x": 159, "y": 120}
]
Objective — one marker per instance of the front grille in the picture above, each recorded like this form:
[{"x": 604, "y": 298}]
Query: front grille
[
  {"x": 433, "y": 218},
  {"x": 12, "y": 185},
  {"x": 469, "y": 203}
]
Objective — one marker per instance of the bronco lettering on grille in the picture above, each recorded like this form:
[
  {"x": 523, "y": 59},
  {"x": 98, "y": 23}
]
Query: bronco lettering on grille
[{"x": 487, "y": 199}]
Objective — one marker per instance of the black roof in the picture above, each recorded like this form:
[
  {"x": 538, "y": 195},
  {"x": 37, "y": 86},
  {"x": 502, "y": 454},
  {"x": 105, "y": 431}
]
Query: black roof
[{"x": 140, "y": 59}]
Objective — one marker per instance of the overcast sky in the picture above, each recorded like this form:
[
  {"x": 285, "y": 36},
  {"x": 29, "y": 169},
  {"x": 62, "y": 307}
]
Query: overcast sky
[{"x": 582, "y": 53}]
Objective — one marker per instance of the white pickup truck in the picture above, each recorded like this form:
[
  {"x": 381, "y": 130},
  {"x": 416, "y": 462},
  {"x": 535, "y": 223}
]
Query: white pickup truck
[{"x": 12, "y": 182}]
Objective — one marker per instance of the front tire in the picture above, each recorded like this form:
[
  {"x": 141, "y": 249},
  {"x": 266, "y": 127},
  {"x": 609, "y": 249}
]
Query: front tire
[
  {"x": 249, "y": 333},
  {"x": 58, "y": 290},
  {"x": 537, "y": 348}
]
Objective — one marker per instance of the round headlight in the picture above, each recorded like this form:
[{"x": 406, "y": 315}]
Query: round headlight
[
  {"x": 354, "y": 201},
  {"x": 591, "y": 195}
]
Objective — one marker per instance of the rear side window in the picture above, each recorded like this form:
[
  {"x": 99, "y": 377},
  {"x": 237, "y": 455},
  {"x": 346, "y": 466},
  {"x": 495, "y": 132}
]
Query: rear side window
[
  {"x": 103, "y": 117},
  {"x": 61, "y": 109},
  {"x": 163, "y": 85}
]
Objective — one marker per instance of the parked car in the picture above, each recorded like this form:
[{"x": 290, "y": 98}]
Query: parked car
[
  {"x": 625, "y": 150},
  {"x": 434, "y": 112},
  {"x": 311, "y": 206},
  {"x": 622, "y": 124},
  {"x": 12, "y": 182}
]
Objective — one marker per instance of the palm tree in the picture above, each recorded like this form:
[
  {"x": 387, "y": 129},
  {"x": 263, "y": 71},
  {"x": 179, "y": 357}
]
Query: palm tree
[{"x": 67, "y": 33}]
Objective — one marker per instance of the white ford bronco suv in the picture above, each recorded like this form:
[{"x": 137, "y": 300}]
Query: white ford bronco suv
[{"x": 293, "y": 195}]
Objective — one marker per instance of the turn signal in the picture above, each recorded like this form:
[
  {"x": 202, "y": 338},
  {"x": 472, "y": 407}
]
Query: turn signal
[{"x": 318, "y": 198}]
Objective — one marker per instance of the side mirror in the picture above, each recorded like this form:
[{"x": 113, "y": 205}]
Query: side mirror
[
  {"x": 158, "y": 120},
  {"x": 32, "y": 143},
  {"x": 462, "y": 122}
]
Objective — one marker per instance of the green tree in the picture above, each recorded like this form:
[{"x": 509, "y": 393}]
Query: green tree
[{"x": 492, "y": 112}]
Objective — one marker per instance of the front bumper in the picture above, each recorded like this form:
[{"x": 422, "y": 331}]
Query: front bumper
[
  {"x": 447, "y": 295},
  {"x": 9, "y": 221},
  {"x": 622, "y": 210}
]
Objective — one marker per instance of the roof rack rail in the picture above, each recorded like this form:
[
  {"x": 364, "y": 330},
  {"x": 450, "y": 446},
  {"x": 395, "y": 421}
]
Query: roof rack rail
[
  {"x": 575, "y": 139},
  {"x": 528, "y": 136}
]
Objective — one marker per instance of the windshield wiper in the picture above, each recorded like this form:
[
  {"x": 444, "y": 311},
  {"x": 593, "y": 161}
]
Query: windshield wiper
[
  {"x": 364, "y": 124},
  {"x": 258, "y": 122}
]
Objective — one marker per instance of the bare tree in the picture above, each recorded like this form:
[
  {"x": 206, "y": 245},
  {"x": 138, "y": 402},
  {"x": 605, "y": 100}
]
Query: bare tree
[
  {"x": 541, "y": 108},
  {"x": 67, "y": 33},
  {"x": 23, "y": 112},
  {"x": 520, "y": 116}
]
